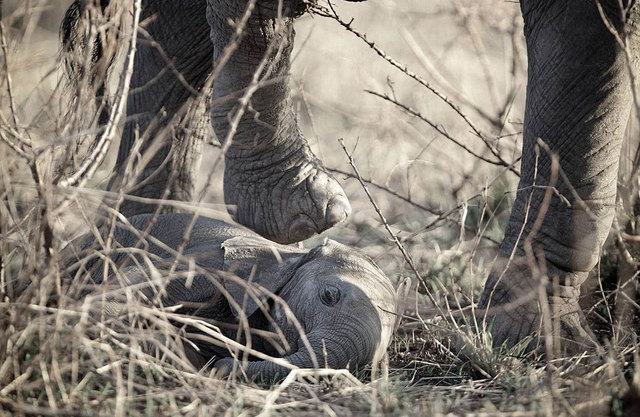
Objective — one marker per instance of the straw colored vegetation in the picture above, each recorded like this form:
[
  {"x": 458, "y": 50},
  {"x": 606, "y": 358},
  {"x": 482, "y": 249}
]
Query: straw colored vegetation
[{"x": 431, "y": 217}]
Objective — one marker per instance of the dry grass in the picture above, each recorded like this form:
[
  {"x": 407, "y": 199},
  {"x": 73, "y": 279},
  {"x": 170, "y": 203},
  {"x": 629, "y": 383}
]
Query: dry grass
[{"x": 426, "y": 168}]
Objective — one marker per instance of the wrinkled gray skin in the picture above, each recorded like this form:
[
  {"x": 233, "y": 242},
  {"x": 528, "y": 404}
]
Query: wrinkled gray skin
[
  {"x": 342, "y": 300},
  {"x": 277, "y": 185},
  {"x": 578, "y": 102}
]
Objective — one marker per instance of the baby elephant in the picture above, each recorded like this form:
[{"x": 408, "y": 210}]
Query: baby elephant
[{"x": 340, "y": 307}]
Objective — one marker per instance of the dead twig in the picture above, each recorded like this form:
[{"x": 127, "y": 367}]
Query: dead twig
[
  {"x": 499, "y": 162},
  {"x": 95, "y": 158},
  {"x": 393, "y": 236},
  {"x": 331, "y": 13}
]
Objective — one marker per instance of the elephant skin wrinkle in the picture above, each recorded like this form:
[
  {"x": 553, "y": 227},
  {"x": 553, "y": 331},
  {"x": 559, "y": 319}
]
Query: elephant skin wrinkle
[
  {"x": 273, "y": 182},
  {"x": 231, "y": 277}
]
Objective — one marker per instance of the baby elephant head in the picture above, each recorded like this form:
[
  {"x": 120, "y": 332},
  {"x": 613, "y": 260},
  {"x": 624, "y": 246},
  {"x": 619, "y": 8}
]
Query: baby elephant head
[{"x": 344, "y": 308}]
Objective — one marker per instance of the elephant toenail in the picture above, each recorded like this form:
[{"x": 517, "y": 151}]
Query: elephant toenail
[
  {"x": 302, "y": 228},
  {"x": 338, "y": 210}
]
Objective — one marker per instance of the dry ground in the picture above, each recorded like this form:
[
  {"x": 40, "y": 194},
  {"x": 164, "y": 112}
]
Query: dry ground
[{"x": 421, "y": 161}]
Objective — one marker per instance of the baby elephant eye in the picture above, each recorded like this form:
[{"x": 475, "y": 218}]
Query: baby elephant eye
[{"x": 329, "y": 295}]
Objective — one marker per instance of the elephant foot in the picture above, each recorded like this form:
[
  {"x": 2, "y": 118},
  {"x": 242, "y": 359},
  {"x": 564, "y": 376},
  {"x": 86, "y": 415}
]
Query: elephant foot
[
  {"x": 517, "y": 311},
  {"x": 285, "y": 199}
]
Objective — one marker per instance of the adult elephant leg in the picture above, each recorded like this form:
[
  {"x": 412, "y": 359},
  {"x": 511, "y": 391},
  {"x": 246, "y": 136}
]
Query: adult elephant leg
[
  {"x": 578, "y": 102},
  {"x": 172, "y": 62},
  {"x": 277, "y": 185}
]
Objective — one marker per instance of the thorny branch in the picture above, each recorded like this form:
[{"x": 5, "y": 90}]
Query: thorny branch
[
  {"x": 88, "y": 168},
  {"x": 332, "y": 14},
  {"x": 441, "y": 215},
  {"x": 500, "y": 162},
  {"x": 25, "y": 150},
  {"x": 395, "y": 239}
]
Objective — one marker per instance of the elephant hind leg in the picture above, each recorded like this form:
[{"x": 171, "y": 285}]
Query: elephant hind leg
[
  {"x": 577, "y": 107},
  {"x": 158, "y": 155},
  {"x": 521, "y": 303}
]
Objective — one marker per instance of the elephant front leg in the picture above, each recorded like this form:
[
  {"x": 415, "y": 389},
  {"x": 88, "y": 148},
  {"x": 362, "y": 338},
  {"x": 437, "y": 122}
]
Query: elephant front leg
[
  {"x": 277, "y": 185},
  {"x": 578, "y": 103}
]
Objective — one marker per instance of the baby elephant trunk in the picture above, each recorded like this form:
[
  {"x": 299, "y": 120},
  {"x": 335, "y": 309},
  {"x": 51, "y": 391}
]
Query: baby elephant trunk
[{"x": 351, "y": 347}]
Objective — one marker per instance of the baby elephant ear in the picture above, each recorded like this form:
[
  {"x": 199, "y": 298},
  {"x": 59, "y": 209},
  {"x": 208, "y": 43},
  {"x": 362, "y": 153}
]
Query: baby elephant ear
[{"x": 256, "y": 267}]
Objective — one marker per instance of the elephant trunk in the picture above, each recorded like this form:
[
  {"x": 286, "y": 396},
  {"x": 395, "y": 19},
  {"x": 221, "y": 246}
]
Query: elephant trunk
[
  {"x": 351, "y": 346},
  {"x": 271, "y": 371}
]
